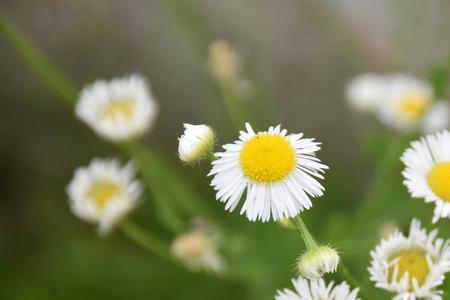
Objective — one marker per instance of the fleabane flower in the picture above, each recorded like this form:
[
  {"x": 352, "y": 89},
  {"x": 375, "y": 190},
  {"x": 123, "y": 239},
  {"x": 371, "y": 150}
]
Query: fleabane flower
[
  {"x": 366, "y": 92},
  {"x": 104, "y": 192},
  {"x": 277, "y": 170},
  {"x": 427, "y": 172},
  {"x": 407, "y": 99},
  {"x": 315, "y": 262},
  {"x": 198, "y": 250},
  {"x": 118, "y": 110},
  {"x": 411, "y": 266},
  {"x": 195, "y": 143},
  {"x": 317, "y": 290}
]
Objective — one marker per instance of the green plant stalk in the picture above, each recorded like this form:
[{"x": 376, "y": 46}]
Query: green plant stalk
[
  {"x": 68, "y": 92},
  {"x": 144, "y": 160},
  {"x": 310, "y": 243},
  {"x": 347, "y": 276},
  {"x": 234, "y": 106},
  {"x": 145, "y": 239},
  {"x": 41, "y": 65}
]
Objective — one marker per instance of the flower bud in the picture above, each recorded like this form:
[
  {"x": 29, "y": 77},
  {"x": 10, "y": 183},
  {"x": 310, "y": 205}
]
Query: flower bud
[
  {"x": 317, "y": 261},
  {"x": 196, "y": 143},
  {"x": 223, "y": 61}
]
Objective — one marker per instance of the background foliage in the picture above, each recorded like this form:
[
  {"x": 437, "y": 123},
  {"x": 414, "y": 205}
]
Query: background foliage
[{"x": 298, "y": 55}]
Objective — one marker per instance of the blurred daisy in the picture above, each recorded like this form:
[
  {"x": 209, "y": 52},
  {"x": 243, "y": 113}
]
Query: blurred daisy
[
  {"x": 198, "y": 249},
  {"x": 196, "y": 143},
  {"x": 317, "y": 290},
  {"x": 276, "y": 169},
  {"x": 366, "y": 92},
  {"x": 437, "y": 117},
  {"x": 118, "y": 110},
  {"x": 407, "y": 100},
  {"x": 412, "y": 267},
  {"x": 104, "y": 192},
  {"x": 427, "y": 172}
]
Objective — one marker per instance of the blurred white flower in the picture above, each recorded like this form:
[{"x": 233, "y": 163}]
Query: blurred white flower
[
  {"x": 104, "y": 192},
  {"x": 277, "y": 169},
  {"x": 118, "y": 110},
  {"x": 195, "y": 143},
  {"x": 198, "y": 249},
  {"x": 317, "y": 261},
  {"x": 437, "y": 117},
  {"x": 413, "y": 266},
  {"x": 427, "y": 171},
  {"x": 366, "y": 92},
  {"x": 407, "y": 99},
  {"x": 317, "y": 290}
]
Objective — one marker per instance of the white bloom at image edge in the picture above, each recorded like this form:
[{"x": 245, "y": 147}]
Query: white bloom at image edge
[
  {"x": 412, "y": 266},
  {"x": 277, "y": 170},
  {"x": 317, "y": 261},
  {"x": 104, "y": 192},
  {"x": 317, "y": 290},
  {"x": 118, "y": 110},
  {"x": 196, "y": 143},
  {"x": 427, "y": 171}
]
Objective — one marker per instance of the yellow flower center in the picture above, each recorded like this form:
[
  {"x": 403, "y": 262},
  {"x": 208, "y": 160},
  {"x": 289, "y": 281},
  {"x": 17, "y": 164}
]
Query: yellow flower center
[
  {"x": 414, "y": 104},
  {"x": 102, "y": 192},
  {"x": 413, "y": 262},
  {"x": 119, "y": 109},
  {"x": 439, "y": 180},
  {"x": 267, "y": 158}
]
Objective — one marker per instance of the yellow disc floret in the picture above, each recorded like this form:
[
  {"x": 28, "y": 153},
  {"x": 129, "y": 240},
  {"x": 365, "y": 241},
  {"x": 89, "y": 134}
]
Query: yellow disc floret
[
  {"x": 413, "y": 262},
  {"x": 119, "y": 109},
  {"x": 439, "y": 180},
  {"x": 102, "y": 192},
  {"x": 267, "y": 158},
  {"x": 414, "y": 104}
]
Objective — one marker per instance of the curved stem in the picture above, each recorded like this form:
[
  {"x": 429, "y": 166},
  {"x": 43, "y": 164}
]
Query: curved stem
[
  {"x": 145, "y": 239},
  {"x": 304, "y": 232},
  {"x": 347, "y": 276}
]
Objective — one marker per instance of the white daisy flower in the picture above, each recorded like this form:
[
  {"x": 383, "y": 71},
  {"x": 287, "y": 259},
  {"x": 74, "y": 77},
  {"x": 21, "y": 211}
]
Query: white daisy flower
[
  {"x": 407, "y": 100},
  {"x": 427, "y": 172},
  {"x": 198, "y": 249},
  {"x": 317, "y": 261},
  {"x": 317, "y": 290},
  {"x": 413, "y": 266},
  {"x": 275, "y": 168},
  {"x": 437, "y": 117},
  {"x": 104, "y": 192},
  {"x": 366, "y": 92},
  {"x": 196, "y": 143},
  {"x": 118, "y": 110}
]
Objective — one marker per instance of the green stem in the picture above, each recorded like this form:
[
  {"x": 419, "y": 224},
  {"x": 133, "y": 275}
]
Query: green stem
[
  {"x": 145, "y": 239},
  {"x": 40, "y": 64},
  {"x": 144, "y": 159},
  {"x": 304, "y": 232},
  {"x": 347, "y": 276},
  {"x": 212, "y": 156},
  {"x": 234, "y": 106},
  {"x": 376, "y": 193}
]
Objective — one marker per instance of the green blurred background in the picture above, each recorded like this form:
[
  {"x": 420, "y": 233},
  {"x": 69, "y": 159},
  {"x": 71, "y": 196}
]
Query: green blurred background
[{"x": 298, "y": 56}]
